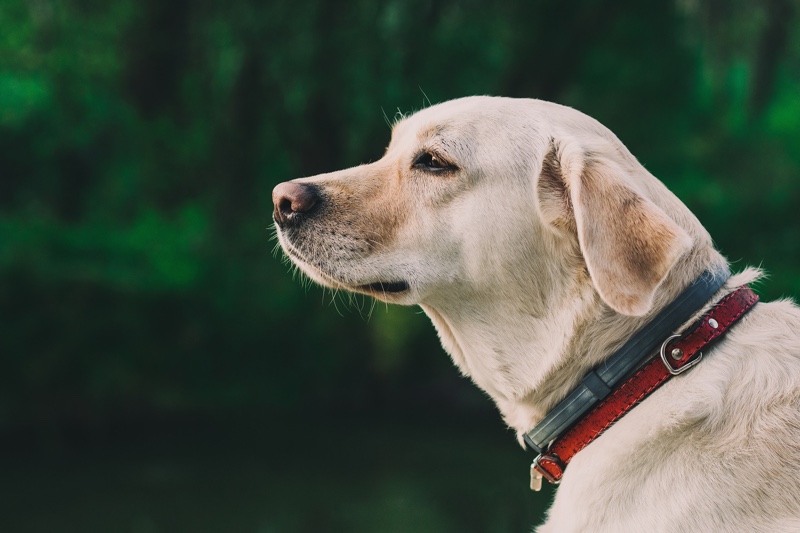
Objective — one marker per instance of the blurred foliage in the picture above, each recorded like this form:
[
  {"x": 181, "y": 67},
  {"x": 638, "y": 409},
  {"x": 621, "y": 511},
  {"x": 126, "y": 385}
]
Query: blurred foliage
[
  {"x": 140, "y": 142},
  {"x": 426, "y": 478}
]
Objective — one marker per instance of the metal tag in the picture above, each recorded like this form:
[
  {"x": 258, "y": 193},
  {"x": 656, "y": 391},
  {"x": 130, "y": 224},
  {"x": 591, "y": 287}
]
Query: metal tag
[{"x": 536, "y": 479}]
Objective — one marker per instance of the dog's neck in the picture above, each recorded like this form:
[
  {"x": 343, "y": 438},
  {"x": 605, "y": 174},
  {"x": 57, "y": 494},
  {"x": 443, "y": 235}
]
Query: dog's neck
[{"x": 528, "y": 354}]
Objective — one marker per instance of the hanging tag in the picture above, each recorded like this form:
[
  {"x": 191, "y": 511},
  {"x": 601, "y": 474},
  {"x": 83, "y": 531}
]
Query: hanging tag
[{"x": 536, "y": 478}]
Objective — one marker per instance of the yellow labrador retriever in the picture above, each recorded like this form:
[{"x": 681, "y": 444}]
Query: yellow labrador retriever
[{"x": 538, "y": 246}]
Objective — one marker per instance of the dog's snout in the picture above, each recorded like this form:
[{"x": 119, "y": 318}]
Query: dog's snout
[{"x": 291, "y": 199}]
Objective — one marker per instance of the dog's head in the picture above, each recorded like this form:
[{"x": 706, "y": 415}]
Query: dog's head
[{"x": 483, "y": 196}]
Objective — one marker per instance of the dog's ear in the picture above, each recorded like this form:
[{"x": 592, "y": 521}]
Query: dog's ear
[{"x": 628, "y": 243}]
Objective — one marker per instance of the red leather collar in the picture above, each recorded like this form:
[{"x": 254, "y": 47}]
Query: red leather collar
[{"x": 678, "y": 354}]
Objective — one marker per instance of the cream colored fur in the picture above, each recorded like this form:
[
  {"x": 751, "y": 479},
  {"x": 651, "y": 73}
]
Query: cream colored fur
[{"x": 541, "y": 250}]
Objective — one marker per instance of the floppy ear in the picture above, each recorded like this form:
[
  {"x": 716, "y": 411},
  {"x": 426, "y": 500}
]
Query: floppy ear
[{"x": 628, "y": 243}]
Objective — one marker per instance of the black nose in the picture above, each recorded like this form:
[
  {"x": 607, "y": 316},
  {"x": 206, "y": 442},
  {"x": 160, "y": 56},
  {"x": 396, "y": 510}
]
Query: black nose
[{"x": 292, "y": 199}]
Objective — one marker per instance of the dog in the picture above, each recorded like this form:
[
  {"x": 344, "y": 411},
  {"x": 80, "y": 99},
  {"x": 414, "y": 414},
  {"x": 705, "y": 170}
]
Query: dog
[{"x": 537, "y": 244}]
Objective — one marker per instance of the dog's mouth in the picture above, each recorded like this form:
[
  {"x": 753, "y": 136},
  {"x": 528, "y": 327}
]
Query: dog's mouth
[
  {"x": 325, "y": 277},
  {"x": 385, "y": 287}
]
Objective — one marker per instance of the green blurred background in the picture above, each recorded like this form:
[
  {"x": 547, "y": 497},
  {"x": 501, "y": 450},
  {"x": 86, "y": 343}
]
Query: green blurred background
[{"x": 161, "y": 369}]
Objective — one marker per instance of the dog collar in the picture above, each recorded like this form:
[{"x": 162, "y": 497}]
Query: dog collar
[{"x": 567, "y": 429}]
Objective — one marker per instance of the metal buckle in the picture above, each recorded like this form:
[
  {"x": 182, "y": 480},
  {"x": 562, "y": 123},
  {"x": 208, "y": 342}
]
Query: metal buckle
[{"x": 670, "y": 368}]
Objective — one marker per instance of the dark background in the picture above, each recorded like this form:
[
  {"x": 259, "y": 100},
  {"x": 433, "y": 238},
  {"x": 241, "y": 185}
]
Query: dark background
[{"x": 162, "y": 371}]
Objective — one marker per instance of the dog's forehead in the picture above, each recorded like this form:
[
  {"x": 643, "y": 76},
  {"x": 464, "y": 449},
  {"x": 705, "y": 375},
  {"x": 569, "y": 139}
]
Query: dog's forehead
[{"x": 467, "y": 118}]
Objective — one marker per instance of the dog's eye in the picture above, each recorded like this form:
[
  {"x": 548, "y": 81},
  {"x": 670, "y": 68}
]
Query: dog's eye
[{"x": 432, "y": 163}]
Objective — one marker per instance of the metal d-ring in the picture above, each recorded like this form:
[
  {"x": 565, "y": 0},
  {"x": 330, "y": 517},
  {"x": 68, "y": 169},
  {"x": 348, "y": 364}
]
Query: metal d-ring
[
  {"x": 684, "y": 368},
  {"x": 553, "y": 458}
]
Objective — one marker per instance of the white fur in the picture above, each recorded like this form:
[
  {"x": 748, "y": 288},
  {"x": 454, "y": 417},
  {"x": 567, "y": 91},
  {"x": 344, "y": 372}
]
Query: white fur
[{"x": 543, "y": 251}]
